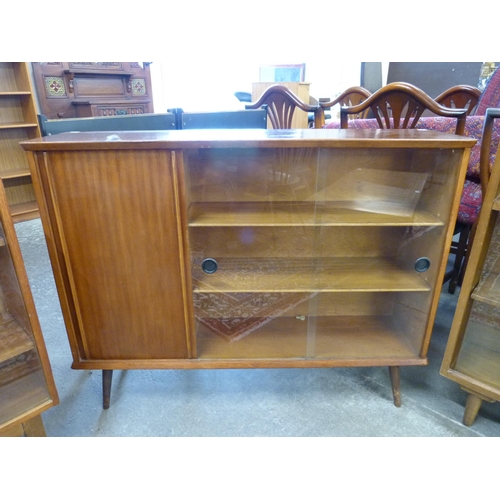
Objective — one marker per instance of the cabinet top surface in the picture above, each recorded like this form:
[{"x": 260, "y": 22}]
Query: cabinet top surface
[{"x": 248, "y": 138}]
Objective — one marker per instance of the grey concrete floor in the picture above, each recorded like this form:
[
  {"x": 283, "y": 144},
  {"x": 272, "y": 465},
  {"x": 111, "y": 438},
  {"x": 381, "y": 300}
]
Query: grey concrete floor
[{"x": 337, "y": 402}]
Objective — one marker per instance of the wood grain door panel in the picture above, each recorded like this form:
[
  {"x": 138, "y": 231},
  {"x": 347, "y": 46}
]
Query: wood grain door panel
[{"x": 122, "y": 207}]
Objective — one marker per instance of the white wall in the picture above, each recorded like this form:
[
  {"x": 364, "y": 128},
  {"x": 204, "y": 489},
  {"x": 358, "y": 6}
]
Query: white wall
[{"x": 205, "y": 84}]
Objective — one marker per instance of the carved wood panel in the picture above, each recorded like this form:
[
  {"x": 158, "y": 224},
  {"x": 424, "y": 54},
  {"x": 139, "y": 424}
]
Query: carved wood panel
[{"x": 78, "y": 89}]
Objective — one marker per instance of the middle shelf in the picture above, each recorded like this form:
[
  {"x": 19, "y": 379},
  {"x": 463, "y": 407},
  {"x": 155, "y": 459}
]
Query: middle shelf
[
  {"x": 295, "y": 213},
  {"x": 307, "y": 275}
]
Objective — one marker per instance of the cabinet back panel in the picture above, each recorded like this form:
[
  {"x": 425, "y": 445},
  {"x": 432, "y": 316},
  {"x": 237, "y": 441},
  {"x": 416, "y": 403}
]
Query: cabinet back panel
[
  {"x": 12, "y": 155},
  {"x": 294, "y": 242},
  {"x": 10, "y": 290},
  {"x": 121, "y": 207},
  {"x": 13, "y": 77}
]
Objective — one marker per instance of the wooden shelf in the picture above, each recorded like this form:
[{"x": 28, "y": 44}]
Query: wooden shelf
[
  {"x": 24, "y": 211},
  {"x": 488, "y": 291},
  {"x": 14, "y": 173},
  {"x": 306, "y": 275},
  {"x": 17, "y": 93},
  {"x": 17, "y": 125},
  {"x": 29, "y": 391},
  {"x": 296, "y": 214},
  {"x": 496, "y": 204},
  {"x": 13, "y": 339},
  {"x": 286, "y": 337}
]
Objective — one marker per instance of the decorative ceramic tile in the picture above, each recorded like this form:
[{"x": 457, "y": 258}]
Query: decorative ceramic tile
[
  {"x": 55, "y": 87},
  {"x": 138, "y": 86}
]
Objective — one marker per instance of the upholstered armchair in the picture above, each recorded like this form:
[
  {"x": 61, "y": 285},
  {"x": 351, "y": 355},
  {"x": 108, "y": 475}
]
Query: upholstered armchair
[{"x": 471, "y": 199}]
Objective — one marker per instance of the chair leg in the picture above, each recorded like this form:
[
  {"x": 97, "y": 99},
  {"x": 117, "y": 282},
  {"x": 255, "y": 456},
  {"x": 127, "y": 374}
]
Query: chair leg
[{"x": 456, "y": 274}]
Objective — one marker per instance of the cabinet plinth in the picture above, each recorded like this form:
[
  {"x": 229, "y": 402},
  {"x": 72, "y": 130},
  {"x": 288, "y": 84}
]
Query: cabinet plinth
[{"x": 230, "y": 248}]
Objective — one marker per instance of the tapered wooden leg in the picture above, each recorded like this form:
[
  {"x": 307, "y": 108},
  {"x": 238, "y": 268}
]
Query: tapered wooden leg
[
  {"x": 31, "y": 428},
  {"x": 16, "y": 431},
  {"x": 34, "y": 427},
  {"x": 472, "y": 405},
  {"x": 107, "y": 376},
  {"x": 394, "y": 374},
  {"x": 471, "y": 409}
]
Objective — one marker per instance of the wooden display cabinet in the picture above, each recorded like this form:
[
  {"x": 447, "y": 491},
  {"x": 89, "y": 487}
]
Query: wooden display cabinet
[
  {"x": 26, "y": 383},
  {"x": 472, "y": 355},
  {"x": 249, "y": 249},
  {"x": 18, "y": 122}
]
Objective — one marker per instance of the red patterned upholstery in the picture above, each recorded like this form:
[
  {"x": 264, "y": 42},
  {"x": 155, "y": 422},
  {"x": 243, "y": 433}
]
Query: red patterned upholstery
[
  {"x": 470, "y": 203},
  {"x": 490, "y": 98}
]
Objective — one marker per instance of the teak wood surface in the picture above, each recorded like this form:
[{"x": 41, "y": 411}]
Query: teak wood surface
[{"x": 129, "y": 216}]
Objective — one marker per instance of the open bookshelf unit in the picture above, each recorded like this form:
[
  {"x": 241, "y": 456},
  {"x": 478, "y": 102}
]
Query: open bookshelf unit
[
  {"x": 249, "y": 249},
  {"x": 18, "y": 122},
  {"x": 26, "y": 383}
]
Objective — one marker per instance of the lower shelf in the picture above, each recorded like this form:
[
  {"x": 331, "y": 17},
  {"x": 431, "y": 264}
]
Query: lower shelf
[
  {"x": 24, "y": 211},
  {"x": 13, "y": 339},
  {"x": 23, "y": 395},
  {"x": 352, "y": 341},
  {"x": 479, "y": 356}
]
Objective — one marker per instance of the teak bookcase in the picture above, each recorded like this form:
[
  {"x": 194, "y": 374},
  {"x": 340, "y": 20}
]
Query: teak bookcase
[
  {"x": 249, "y": 248},
  {"x": 472, "y": 355},
  {"x": 26, "y": 383},
  {"x": 18, "y": 122}
]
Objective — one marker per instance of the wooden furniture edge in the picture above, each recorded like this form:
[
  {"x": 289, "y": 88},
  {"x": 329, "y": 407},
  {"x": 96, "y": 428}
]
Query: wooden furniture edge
[
  {"x": 22, "y": 277},
  {"x": 200, "y": 363}
]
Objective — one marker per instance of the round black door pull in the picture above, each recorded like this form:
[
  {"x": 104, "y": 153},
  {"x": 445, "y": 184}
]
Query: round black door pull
[
  {"x": 209, "y": 266},
  {"x": 422, "y": 264}
]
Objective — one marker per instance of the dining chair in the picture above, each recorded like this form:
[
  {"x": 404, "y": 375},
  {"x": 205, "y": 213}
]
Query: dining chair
[
  {"x": 460, "y": 96},
  {"x": 400, "y": 105},
  {"x": 473, "y": 193},
  {"x": 281, "y": 104},
  {"x": 350, "y": 97}
]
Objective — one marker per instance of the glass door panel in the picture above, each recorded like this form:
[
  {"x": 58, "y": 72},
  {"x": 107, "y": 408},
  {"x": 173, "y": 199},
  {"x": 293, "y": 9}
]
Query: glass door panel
[
  {"x": 317, "y": 252},
  {"x": 379, "y": 235},
  {"x": 251, "y": 228}
]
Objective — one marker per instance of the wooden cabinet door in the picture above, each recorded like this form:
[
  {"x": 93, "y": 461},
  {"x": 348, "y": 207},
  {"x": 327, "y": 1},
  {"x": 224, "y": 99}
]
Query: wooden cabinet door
[{"x": 114, "y": 226}]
